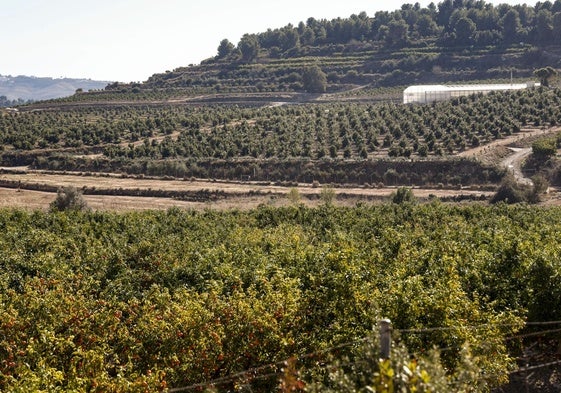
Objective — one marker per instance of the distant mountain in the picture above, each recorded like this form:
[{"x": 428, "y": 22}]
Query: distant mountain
[{"x": 35, "y": 88}]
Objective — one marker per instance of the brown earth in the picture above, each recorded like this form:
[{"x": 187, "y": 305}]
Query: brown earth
[
  {"x": 234, "y": 194},
  {"x": 32, "y": 200},
  {"x": 237, "y": 195}
]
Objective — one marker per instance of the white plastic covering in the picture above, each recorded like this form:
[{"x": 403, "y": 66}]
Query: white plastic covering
[{"x": 424, "y": 94}]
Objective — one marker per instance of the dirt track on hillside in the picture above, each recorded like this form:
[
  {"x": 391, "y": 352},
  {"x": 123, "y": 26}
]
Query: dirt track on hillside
[{"x": 479, "y": 151}]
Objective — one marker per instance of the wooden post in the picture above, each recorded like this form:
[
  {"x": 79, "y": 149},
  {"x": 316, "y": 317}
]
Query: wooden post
[{"x": 385, "y": 338}]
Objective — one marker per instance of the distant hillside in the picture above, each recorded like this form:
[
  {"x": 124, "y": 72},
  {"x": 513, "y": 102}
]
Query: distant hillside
[
  {"x": 455, "y": 40},
  {"x": 364, "y": 58},
  {"x": 34, "y": 88}
]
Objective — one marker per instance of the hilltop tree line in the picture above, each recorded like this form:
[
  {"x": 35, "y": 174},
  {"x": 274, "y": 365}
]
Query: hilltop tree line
[
  {"x": 6, "y": 102},
  {"x": 454, "y": 40},
  {"x": 451, "y": 22}
]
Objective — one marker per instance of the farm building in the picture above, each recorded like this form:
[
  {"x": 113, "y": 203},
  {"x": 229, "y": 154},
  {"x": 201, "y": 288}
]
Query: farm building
[{"x": 424, "y": 94}]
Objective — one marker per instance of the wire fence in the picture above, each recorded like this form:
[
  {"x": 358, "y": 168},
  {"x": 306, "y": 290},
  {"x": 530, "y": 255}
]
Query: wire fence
[{"x": 277, "y": 369}]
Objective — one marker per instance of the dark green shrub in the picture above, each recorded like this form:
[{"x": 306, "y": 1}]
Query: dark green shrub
[
  {"x": 510, "y": 192},
  {"x": 68, "y": 198},
  {"x": 403, "y": 195}
]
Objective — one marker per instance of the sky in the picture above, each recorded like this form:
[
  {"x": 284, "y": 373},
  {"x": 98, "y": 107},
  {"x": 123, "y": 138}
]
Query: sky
[{"x": 129, "y": 40}]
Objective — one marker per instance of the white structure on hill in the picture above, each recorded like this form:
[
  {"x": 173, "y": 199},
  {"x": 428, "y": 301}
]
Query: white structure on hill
[{"x": 424, "y": 94}]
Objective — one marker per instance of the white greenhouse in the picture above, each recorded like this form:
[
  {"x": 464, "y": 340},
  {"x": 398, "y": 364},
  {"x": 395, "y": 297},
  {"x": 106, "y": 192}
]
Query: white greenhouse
[{"x": 424, "y": 94}]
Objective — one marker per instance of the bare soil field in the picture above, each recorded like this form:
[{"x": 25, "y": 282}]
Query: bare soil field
[
  {"x": 234, "y": 195},
  {"x": 32, "y": 200}
]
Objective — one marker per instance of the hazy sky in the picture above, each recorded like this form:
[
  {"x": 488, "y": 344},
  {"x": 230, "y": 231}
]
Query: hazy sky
[{"x": 129, "y": 40}]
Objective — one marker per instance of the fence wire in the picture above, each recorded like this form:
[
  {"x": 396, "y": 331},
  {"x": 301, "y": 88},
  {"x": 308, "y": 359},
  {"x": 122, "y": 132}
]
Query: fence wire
[{"x": 252, "y": 374}]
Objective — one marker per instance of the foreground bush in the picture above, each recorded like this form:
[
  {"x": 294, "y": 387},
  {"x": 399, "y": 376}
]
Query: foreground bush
[{"x": 146, "y": 301}]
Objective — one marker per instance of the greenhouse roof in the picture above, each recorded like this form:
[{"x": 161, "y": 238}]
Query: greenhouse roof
[{"x": 485, "y": 87}]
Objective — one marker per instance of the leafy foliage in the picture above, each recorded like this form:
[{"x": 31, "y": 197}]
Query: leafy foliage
[
  {"x": 327, "y": 195},
  {"x": 108, "y": 302},
  {"x": 510, "y": 191},
  {"x": 5, "y": 102},
  {"x": 315, "y": 80},
  {"x": 319, "y": 132},
  {"x": 403, "y": 195},
  {"x": 69, "y": 198},
  {"x": 546, "y": 74},
  {"x": 544, "y": 148}
]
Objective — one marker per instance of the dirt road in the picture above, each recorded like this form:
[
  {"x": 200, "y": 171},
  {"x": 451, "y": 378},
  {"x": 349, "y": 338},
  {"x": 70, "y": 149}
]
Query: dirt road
[
  {"x": 513, "y": 164},
  {"x": 523, "y": 134}
]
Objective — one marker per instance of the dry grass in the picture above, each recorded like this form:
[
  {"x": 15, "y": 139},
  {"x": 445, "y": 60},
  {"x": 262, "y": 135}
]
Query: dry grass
[
  {"x": 32, "y": 200},
  {"x": 25, "y": 199},
  {"x": 237, "y": 194}
]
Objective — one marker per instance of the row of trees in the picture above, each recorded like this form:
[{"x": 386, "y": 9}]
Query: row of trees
[
  {"x": 5, "y": 102},
  {"x": 281, "y": 172},
  {"x": 336, "y": 131},
  {"x": 458, "y": 22}
]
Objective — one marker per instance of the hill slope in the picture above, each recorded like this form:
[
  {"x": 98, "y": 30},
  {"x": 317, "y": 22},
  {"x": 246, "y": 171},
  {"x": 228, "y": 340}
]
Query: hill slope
[
  {"x": 173, "y": 125},
  {"x": 35, "y": 89},
  {"x": 456, "y": 41}
]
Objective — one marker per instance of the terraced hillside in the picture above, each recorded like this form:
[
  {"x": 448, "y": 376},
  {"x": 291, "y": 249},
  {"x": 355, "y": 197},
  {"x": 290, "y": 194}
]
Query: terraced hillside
[
  {"x": 346, "y": 143},
  {"x": 456, "y": 41}
]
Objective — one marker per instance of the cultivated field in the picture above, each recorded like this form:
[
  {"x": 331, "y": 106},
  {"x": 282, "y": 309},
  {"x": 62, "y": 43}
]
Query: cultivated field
[{"x": 98, "y": 188}]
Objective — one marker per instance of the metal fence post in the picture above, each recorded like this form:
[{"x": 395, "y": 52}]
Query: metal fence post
[{"x": 385, "y": 338}]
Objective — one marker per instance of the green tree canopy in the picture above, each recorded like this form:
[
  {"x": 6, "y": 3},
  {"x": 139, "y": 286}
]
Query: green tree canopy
[
  {"x": 249, "y": 47},
  {"x": 315, "y": 80},
  {"x": 557, "y": 24},
  {"x": 403, "y": 195},
  {"x": 544, "y": 26},
  {"x": 465, "y": 30},
  {"x": 426, "y": 26},
  {"x": 511, "y": 25},
  {"x": 545, "y": 75},
  {"x": 69, "y": 198},
  {"x": 225, "y": 48},
  {"x": 544, "y": 148},
  {"x": 289, "y": 38},
  {"x": 397, "y": 33}
]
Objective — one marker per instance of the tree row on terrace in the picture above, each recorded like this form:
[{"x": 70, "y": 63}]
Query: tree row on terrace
[{"x": 325, "y": 131}]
